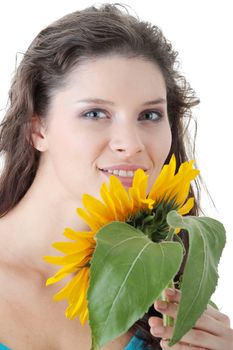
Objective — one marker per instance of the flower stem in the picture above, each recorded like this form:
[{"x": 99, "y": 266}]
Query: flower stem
[
  {"x": 170, "y": 234},
  {"x": 168, "y": 320}
]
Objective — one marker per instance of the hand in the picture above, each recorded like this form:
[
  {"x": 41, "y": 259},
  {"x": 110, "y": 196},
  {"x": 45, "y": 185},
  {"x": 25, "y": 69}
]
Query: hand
[{"x": 211, "y": 332}]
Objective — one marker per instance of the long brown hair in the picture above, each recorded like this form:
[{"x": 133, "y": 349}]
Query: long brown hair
[{"x": 57, "y": 49}]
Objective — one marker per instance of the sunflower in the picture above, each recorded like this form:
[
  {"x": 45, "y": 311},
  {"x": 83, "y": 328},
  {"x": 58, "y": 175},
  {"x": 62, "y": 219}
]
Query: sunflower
[
  {"x": 76, "y": 261},
  {"x": 136, "y": 207},
  {"x": 172, "y": 186}
]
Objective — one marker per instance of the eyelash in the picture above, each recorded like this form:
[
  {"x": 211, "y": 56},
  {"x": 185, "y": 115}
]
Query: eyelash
[{"x": 159, "y": 114}]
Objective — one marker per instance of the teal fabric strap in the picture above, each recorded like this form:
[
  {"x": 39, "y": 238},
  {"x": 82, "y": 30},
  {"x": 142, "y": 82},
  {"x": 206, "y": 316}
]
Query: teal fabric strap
[
  {"x": 135, "y": 344},
  {"x": 4, "y": 347}
]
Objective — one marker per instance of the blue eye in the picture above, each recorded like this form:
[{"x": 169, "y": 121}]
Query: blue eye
[
  {"x": 151, "y": 116},
  {"x": 95, "y": 114}
]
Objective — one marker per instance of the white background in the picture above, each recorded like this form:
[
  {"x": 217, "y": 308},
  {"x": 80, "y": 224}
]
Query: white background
[{"x": 201, "y": 31}]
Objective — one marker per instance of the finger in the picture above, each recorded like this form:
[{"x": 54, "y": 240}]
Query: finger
[
  {"x": 195, "y": 337},
  {"x": 161, "y": 331},
  {"x": 179, "y": 346},
  {"x": 219, "y": 316},
  {"x": 205, "y": 323},
  {"x": 165, "y": 307},
  {"x": 199, "y": 338},
  {"x": 155, "y": 321},
  {"x": 211, "y": 325},
  {"x": 157, "y": 329},
  {"x": 174, "y": 295}
]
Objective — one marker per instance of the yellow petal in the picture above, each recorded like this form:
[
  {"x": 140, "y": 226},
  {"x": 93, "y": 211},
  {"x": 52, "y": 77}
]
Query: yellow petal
[
  {"x": 108, "y": 200},
  {"x": 165, "y": 176},
  {"x": 140, "y": 182},
  {"x": 95, "y": 226},
  {"x": 79, "y": 288},
  {"x": 77, "y": 297},
  {"x": 171, "y": 186},
  {"x": 84, "y": 316},
  {"x": 69, "y": 233},
  {"x": 185, "y": 209},
  {"x": 64, "y": 292},
  {"x": 57, "y": 260},
  {"x": 135, "y": 197},
  {"x": 120, "y": 197},
  {"x": 80, "y": 257},
  {"x": 77, "y": 257},
  {"x": 96, "y": 208},
  {"x": 61, "y": 274},
  {"x": 149, "y": 203},
  {"x": 73, "y": 247}
]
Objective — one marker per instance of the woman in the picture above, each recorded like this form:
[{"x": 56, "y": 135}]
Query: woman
[{"x": 96, "y": 91}]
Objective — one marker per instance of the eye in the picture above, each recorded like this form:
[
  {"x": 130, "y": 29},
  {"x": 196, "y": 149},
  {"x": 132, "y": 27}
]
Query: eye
[
  {"x": 150, "y": 115},
  {"x": 95, "y": 114}
]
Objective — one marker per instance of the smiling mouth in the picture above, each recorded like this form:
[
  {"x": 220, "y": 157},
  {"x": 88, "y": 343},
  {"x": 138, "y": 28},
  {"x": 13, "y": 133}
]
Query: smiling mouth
[{"x": 119, "y": 173}]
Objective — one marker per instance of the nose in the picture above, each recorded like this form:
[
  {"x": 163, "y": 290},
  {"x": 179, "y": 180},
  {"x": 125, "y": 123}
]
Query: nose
[{"x": 126, "y": 140}]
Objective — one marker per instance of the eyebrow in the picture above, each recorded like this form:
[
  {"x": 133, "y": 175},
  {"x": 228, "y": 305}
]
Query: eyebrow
[{"x": 101, "y": 101}]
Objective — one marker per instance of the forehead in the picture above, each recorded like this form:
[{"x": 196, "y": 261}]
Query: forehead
[{"x": 116, "y": 75}]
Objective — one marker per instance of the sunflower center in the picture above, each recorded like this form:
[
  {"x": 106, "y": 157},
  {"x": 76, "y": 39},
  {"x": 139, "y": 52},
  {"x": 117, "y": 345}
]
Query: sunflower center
[{"x": 153, "y": 223}]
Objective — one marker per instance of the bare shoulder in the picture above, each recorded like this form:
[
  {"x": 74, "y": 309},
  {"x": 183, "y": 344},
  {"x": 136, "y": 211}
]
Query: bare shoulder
[
  {"x": 23, "y": 322},
  {"x": 19, "y": 297},
  {"x": 4, "y": 267},
  {"x": 7, "y": 304},
  {"x": 30, "y": 319}
]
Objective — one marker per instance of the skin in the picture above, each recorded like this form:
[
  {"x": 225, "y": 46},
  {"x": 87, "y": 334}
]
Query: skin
[
  {"x": 74, "y": 147},
  {"x": 211, "y": 332},
  {"x": 119, "y": 132}
]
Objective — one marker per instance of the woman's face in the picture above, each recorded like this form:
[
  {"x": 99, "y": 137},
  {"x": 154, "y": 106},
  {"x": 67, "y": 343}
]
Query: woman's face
[{"x": 110, "y": 117}]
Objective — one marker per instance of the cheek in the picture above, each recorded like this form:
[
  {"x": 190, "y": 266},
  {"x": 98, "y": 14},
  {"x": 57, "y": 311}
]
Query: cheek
[
  {"x": 66, "y": 142},
  {"x": 166, "y": 143},
  {"x": 72, "y": 155},
  {"x": 162, "y": 144},
  {"x": 159, "y": 150}
]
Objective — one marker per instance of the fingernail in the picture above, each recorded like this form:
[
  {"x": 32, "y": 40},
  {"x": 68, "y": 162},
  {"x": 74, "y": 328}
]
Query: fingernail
[{"x": 162, "y": 305}]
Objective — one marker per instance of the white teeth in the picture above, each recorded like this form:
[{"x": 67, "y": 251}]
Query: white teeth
[
  {"x": 122, "y": 173},
  {"x": 130, "y": 173}
]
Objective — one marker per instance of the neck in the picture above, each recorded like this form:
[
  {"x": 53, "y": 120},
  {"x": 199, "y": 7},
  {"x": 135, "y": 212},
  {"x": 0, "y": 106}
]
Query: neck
[{"x": 38, "y": 220}]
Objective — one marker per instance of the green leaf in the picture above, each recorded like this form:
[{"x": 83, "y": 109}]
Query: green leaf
[
  {"x": 128, "y": 272},
  {"x": 206, "y": 242}
]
